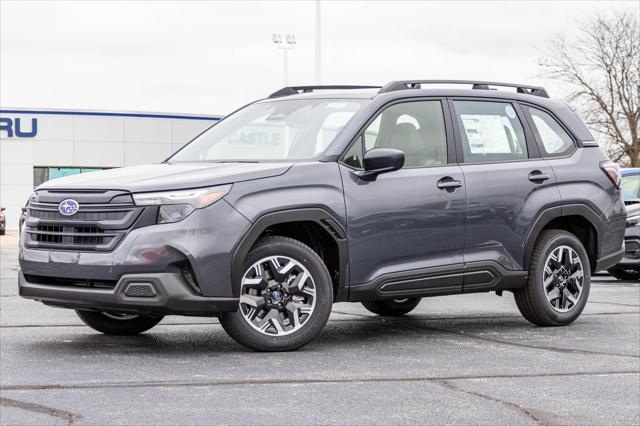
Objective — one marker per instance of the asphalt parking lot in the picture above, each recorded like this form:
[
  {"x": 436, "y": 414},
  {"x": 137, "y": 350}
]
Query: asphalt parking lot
[{"x": 468, "y": 359}]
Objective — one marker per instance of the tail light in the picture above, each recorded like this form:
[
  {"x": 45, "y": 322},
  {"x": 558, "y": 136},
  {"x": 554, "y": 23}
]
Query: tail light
[{"x": 612, "y": 170}]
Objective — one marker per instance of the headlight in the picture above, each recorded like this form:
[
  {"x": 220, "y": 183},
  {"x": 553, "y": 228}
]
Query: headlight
[{"x": 176, "y": 205}]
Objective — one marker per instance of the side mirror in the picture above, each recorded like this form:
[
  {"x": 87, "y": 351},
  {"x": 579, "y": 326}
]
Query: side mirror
[{"x": 381, "y": 160}]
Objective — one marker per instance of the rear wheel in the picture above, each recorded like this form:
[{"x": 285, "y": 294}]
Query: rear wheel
[
  {"x": 393, "y": 307},
  {"x": 623, "y": 274},
  {"x": 285, "y": 297},
  {"x": 559, "y": 280},
  {"x": 117, "y": 324}
]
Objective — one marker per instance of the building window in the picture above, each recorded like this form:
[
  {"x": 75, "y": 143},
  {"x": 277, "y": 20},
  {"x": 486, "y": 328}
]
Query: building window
[
  {"x": 43, "y": 174},
  {"x": 40, "y": 175}
]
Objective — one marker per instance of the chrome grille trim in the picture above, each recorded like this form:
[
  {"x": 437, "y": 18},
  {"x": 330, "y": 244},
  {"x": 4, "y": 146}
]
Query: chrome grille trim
[{"x": 96, "y": 226}]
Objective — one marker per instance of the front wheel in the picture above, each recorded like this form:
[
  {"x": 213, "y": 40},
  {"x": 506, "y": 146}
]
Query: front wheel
[
  {"x": 393, "y": 307},
  {"x": 285, "y": 297},
  {"x": 117, "y": 324},
  {"x": 559, "y": 280}
]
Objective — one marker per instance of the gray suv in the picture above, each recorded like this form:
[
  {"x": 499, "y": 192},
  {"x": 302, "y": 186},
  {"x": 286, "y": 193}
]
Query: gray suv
[{"x": 323, "y": 194}]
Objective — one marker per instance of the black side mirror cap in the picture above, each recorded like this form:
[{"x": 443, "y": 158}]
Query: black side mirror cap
[{"x": 380, "y": 160}]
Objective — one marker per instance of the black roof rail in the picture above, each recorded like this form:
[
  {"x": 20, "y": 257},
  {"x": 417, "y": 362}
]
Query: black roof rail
[
  {"x": 295, "y": 90},
  {"x": 477, "y": 85}
]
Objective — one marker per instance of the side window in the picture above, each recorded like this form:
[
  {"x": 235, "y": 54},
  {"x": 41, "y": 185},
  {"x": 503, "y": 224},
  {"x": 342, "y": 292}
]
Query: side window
[
  {"x": 490, "y": 131},
  {"x": 555, "y": 140},
  {"x": 415, "y": 128}
]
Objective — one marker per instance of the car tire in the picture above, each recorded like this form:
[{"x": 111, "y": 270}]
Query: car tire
[
  {"x": 559, "y": 267},
  {"x": 117, "y": 324},
  {"x": 625, "y": 274},
  {"x": 391, "y": 308},
  {"x": 304, "y": 290}
]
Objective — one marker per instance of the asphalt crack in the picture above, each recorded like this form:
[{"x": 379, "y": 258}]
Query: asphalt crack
[
  {"x": 299, "y": 381},
  {"x": 517, "y": 408},
  {"x": 67, "y": 416}
]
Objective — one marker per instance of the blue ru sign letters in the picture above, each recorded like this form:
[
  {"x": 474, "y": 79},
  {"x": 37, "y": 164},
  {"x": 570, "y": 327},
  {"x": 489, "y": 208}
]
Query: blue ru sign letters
[{"x": 14, "y": 127}]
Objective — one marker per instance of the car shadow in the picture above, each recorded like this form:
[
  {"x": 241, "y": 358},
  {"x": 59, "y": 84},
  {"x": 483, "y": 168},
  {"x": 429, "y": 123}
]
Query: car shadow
[{"x": 211, "y": 340}]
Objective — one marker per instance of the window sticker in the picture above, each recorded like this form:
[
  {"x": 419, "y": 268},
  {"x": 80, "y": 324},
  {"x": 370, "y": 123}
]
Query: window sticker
[
  {"x": 511, "y": 113},
  {"x": 487, "y": 134}
]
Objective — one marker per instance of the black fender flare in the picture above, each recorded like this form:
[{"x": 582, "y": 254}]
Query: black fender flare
[
  {"x": 320, "y": 216},
  {"x": 552, "y": 213}
]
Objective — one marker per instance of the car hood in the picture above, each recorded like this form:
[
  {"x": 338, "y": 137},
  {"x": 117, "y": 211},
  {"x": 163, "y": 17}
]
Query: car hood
[{"x": 168, "y": 176}]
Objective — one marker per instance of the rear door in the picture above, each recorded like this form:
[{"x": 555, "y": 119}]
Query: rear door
[{"x": 507, "y": 184}]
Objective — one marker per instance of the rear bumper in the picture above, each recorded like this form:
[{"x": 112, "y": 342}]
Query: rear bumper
[
  {"x": 632, "y": 248},
  {"x": 167, "y": 293}
]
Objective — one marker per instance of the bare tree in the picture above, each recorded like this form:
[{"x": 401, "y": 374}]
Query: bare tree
[{"x": 602, "y": 66}]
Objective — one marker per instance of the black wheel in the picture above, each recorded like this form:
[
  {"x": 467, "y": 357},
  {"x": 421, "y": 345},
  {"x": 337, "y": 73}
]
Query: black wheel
[
  {"x": 393, "y": 307},
  {"x": 285, "y": 297},
  {"x": 2, "y": 232},
  {"x": 625, "y": 274},
  {"x": 559, "y": 280},
  {"x": 117, "y": 324}
]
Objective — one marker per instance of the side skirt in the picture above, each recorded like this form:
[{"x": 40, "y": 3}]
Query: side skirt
[{"x": 474, "y": 277}]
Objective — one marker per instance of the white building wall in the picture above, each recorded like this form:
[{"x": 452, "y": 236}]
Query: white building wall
[{"x": 85, "y": 139}]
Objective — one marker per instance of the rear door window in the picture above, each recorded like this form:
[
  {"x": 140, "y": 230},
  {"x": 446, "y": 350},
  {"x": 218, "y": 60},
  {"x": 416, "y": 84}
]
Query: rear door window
[{"x": 490, "y": 131}]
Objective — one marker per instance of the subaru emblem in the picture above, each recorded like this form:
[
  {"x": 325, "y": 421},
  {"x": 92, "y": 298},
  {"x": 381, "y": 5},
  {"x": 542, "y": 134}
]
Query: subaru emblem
[{"x": 68, "y": 207}]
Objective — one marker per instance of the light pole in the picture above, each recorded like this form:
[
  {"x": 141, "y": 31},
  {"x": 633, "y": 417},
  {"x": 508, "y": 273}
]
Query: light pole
[
  {"x": 318, "y": 43},
  {"x": 285, "y": 43}
]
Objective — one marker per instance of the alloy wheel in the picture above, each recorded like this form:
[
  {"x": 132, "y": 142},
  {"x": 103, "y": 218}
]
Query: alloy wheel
[
  {"x": 277, "y": 295},
  {"x": 563, "y": 278}
]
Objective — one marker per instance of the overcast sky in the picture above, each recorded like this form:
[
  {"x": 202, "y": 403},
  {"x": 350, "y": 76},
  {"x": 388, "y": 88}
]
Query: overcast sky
[{"x": 211, "y": 57}]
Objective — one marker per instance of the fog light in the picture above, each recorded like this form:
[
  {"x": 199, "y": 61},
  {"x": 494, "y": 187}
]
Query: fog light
[{"x": 190, "y": 278}]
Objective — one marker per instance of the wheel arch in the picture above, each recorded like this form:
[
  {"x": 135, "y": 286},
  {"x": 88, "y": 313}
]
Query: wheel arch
[
  {"x": 312, "y": 226},
  {"x": 579, "y": 219}
]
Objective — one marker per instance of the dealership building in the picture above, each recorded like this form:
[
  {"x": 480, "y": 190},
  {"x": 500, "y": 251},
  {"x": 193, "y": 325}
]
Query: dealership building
[{"x": 39, "y": 145}]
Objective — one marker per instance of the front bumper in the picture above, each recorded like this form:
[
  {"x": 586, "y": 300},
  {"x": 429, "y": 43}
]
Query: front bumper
[
  {"x": 204, "y": 242},
  {"x": 165, "y": 294}
]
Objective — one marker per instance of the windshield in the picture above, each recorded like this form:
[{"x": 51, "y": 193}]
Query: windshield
[
  {"x": 277, "y": 130},
  {"x": 630, "y": 186}
]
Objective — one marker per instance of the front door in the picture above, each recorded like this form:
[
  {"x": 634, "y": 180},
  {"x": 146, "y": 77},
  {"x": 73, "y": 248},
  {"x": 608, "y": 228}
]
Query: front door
[{"x": 406, "y": 228}]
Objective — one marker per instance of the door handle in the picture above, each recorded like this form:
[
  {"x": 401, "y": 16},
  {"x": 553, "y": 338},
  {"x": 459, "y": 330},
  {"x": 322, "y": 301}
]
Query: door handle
[
  {"x": 538, "y": 176},
  {"x": 449, "y": 183}
]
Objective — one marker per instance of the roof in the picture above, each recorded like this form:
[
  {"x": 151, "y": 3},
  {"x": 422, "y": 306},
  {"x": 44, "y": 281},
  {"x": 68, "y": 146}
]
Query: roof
[{"x": 482, "y": 90}]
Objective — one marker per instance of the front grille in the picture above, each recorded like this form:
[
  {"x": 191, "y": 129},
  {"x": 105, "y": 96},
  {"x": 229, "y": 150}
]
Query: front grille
[
  {"x": 72, "y": 282},
  {"x": 85, "y": 216},
  {"x": 95, "y": 227}
]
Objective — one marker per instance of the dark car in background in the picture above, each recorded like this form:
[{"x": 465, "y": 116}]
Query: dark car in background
[
  {"x": 629, "y": 266},
  {"x": 3, "y": 221}
]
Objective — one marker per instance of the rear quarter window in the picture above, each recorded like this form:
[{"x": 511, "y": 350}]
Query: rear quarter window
[{"x": 554, "y": 139}]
